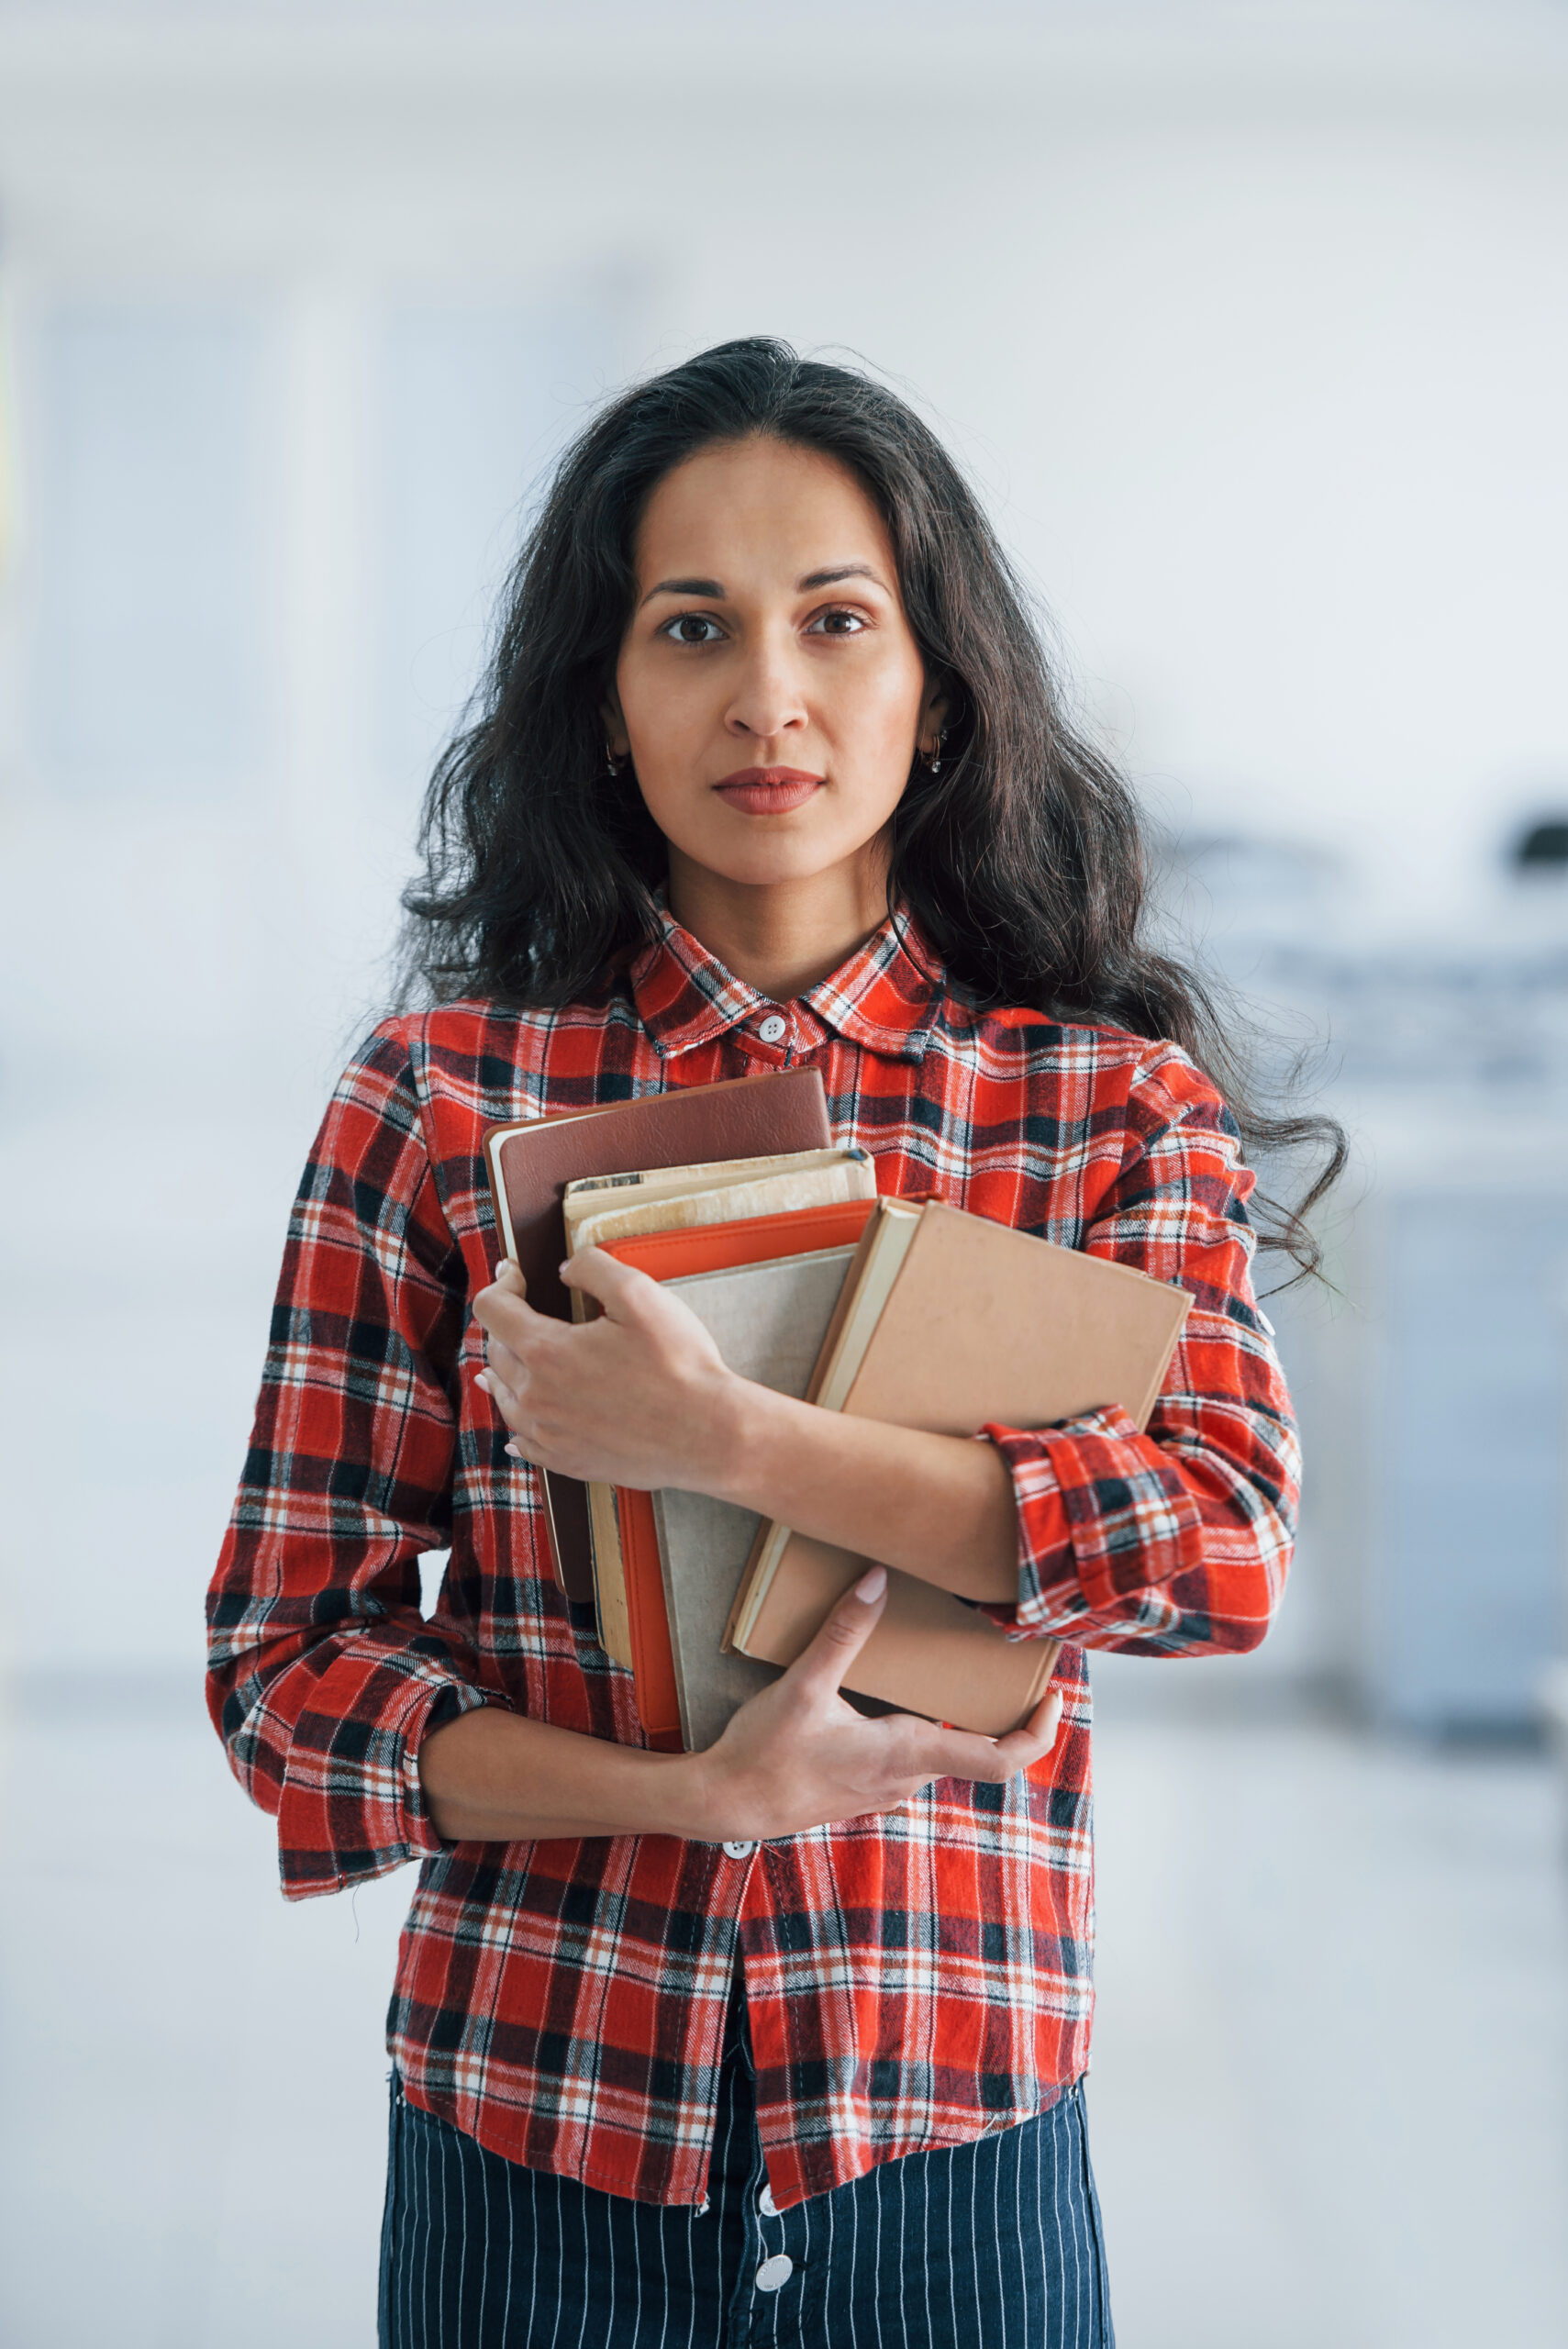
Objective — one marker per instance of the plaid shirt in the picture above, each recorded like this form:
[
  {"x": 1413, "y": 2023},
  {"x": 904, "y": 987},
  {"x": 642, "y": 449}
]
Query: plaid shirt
[{"x": 915, "y": 1979}]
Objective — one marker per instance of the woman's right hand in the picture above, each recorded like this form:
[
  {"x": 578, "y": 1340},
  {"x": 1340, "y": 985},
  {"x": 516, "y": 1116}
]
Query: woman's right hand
[{"x": 797, "y": 1755}]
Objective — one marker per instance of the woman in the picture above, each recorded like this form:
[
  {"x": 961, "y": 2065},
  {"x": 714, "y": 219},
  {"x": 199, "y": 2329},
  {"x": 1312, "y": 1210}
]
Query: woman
[{"x": 784, "y": 2040}]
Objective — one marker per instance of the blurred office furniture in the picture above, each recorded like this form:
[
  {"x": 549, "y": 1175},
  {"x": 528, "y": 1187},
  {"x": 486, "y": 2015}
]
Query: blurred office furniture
[
  {"x": 1457, "y": 1070},
  {"x": 1433, "y": 1375}
]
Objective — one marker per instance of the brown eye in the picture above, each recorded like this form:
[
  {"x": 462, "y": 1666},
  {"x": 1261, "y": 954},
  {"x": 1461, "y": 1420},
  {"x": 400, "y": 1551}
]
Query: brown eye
[
  {"x": 693, "y": 628},
  {"x": 836, "y": 624}
]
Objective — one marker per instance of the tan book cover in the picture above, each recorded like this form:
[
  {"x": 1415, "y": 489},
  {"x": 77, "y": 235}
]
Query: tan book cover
[{"x": 980, "y": 1323}]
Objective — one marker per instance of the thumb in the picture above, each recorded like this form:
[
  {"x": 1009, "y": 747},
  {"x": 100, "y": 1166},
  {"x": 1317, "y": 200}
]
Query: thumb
[
  {"x": 822, "y": 1663},
  {"x": 618, "y": 1289}
]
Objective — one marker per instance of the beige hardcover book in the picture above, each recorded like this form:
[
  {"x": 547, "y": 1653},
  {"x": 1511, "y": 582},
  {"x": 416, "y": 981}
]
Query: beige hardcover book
[
  {"x": 674, "y": 1198},
  {"x": 768, "y": 1321},
  {"x": 977, "y": 1322},
  {"x": 677, "y": 1198},
  {"x": 878, "y": 1262},
  {"x": 931, "y": 1652}
]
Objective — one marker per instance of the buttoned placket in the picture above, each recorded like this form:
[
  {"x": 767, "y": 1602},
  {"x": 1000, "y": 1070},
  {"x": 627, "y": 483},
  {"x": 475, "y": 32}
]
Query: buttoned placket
[{"x": 882, "y": 1000}]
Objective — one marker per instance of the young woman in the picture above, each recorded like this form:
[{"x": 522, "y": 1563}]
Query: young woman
[{"x": 783, "y": 2040}]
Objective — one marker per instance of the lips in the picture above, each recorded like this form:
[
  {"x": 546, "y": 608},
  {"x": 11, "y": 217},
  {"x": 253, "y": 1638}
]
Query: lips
[{"x": 768, "y": 791}]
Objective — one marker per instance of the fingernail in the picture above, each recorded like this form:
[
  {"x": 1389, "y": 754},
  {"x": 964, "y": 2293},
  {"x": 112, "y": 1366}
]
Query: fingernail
[
  {"x": 511, "y": 1451},
  {"x": 871, "y": 1585},
  {"x": 482, "y": 1379}
]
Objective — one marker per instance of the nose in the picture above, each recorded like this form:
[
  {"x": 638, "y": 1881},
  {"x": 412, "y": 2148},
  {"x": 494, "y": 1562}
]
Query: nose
[{"x": 769, "y": 699}]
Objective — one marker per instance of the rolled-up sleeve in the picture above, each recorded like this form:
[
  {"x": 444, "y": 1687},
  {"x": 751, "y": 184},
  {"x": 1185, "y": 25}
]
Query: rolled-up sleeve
[
  {"x": 1174, "y": 1541},
  {"x": 323, "y": 1677}
]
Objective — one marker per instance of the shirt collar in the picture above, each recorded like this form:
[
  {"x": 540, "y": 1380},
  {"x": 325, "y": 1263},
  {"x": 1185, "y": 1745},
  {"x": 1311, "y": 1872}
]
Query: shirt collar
[{"x": 885, "y": 997}]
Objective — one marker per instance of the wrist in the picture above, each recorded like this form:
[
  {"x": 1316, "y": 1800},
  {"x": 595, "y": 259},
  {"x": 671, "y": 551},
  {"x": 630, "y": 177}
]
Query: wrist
[
  {"x": 697, "y": 1810},
  {"x": 746, "y": 1430}
]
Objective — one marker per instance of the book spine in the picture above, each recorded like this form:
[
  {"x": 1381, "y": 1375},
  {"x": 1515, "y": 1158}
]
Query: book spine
[{"x": 652, "y": 1652}]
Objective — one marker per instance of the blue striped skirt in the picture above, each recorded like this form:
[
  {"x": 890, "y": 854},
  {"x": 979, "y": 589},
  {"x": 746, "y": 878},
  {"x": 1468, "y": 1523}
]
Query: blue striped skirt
[{"x": 991, "y": 2245}]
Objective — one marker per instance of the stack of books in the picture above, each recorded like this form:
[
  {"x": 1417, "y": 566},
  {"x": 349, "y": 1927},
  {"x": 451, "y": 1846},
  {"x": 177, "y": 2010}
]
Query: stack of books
[{"x": 916, "y": 1314}]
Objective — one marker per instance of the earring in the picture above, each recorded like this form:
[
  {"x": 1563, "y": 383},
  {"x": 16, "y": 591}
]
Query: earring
[
  {"x": 934, "y": 763},
  {"x": 610, "y": 759}
]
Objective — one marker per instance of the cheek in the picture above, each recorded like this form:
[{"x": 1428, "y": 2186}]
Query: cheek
[
  {"x": 875, "y": 714},
  {"x": 663, "y": 701}
]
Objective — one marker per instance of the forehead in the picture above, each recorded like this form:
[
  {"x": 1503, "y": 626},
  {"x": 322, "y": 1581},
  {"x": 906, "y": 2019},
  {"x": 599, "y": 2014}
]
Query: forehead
[{"x": 751, "y": 509}]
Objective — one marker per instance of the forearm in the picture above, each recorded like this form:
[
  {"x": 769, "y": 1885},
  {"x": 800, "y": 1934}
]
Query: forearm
[
  {"x": 793, "y": 1757},
  {"x": 640, "y": 1396},
  {"x": 935, "y": 1505},
  {"x": 496, "y": 1777}
]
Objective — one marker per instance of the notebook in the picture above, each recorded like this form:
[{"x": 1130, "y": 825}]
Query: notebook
[
  {"x": 948, "y": 1320},
  {"x": 530, "y": 1161},
  {"x": 612, "y": 1206},
  {"x": 600, "y": 1208},
  {"x": 768, "y": 1322},
  {"x": 667, "y": 1255}
]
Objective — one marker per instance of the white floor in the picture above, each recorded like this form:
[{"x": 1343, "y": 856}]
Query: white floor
[{"x": 1328, "y": 2098}]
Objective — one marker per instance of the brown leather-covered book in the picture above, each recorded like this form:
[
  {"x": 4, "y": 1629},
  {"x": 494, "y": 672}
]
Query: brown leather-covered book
[
  {"x": 947, "y": 1321},
  {"x": 530, "y": 1166}
]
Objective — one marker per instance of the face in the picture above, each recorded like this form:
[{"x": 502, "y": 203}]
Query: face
[{"x": 769, "y": 688}]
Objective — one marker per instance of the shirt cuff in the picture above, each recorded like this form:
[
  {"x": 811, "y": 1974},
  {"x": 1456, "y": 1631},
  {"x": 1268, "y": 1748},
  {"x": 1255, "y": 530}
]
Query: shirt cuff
[
  {"x": 352, "y": 1806},
  {"x": 1054, "y": 1601}
]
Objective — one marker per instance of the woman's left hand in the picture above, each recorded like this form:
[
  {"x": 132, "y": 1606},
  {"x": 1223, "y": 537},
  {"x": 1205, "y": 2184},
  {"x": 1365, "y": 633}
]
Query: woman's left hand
[{"x": 638, "y": 1397}]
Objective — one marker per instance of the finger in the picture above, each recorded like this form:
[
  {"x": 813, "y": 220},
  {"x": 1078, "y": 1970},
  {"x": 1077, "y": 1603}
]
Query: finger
[
  {"x": 510, "y": 1368},
  {"x": 820, "y": 1666},
  {"x": 500, "y": 1394},
  {"x": 964, "y": 1754},
  {"x": 618, "y": 1288},
  {"x": 510, "y": 1278},
  {"x": 1020, "y": 1747},
  {"x": 502, "y": 1307}
]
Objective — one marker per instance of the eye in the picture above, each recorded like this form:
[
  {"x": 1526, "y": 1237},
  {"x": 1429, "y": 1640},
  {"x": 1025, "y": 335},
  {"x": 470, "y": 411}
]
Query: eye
[
  {"x": 693, "y": 628},
  {"x": 838, "y": 622}
]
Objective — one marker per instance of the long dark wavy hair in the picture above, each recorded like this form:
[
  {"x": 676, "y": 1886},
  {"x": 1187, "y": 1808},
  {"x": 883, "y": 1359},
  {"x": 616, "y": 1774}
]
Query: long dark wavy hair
[{"x": 1023, "y": 862}]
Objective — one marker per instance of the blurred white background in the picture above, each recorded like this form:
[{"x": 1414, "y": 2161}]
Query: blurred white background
[{"x": 1251, "y": 321}]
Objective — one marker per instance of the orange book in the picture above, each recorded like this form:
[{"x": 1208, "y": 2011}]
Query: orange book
[{"x": 668, "y": 1255}]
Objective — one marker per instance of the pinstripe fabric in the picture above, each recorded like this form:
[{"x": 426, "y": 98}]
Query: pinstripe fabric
[
  {"x": 995, "y": 2244},
  {"x": 915, "y": 1980}
]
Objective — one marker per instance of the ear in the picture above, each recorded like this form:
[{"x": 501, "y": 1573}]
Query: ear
[
  {"x": 933, "y": 717},
  {"x": 616, "y": 735}
]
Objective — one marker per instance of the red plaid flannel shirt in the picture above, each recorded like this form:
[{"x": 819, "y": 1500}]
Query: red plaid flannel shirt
[{"x": 915, "y": 1979}]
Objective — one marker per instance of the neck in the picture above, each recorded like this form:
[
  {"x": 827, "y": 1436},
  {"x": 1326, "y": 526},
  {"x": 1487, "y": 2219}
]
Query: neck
[{"x": 781, "y": 937}]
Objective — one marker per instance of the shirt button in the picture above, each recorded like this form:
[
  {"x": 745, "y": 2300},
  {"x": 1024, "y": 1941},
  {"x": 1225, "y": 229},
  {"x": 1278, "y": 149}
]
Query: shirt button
[
  {"x": 775, "y": 2272},
  {"x": 740, "y": 1851},
  {"x": 775, "y": 1029},
  {"x": 766, "y": 2203}
]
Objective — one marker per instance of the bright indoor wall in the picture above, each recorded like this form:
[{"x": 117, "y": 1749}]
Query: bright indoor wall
[{"x": 1256, "y": 349}]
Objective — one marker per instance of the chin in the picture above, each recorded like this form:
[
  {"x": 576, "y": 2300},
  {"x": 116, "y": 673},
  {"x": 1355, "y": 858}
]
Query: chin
[{"x": 770, "y": 864}]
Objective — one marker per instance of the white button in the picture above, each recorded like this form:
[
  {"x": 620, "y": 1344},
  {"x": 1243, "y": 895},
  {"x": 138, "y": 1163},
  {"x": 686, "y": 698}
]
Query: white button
[
  {"x": 775, "y": 1029},
  {"x": 740, "y": 1851},
  {"x": 766, "y": 2203},
  {"x": 775, "y": 2272}
]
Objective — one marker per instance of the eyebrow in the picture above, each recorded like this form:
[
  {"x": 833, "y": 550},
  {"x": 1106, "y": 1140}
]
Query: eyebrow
[
  {"x": 714, "y": 588},
  {"x": 710, "y": 587}
]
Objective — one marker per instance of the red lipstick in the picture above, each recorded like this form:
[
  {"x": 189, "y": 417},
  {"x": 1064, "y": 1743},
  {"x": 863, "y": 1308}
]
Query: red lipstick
[{"x": 768, "y": 791}]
